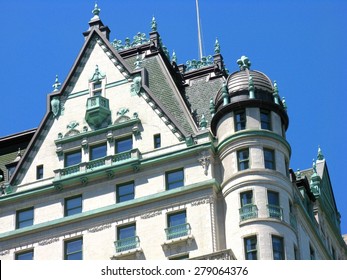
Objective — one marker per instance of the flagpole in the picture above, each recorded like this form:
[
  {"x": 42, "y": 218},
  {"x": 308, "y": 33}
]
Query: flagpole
[{"x": 199, "y": 28}]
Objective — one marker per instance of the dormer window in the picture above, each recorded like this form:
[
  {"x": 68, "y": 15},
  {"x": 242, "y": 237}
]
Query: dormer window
[{"x": 97, "y": 89}]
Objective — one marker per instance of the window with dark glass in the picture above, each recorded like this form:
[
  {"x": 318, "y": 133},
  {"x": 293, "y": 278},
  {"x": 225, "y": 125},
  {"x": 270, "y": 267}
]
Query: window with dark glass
[
  {"x": 11, "y": 170},
  {"x": 243, "y": 159},
  {"x": 177, "y": 225},
  {"x": 248, "y": 210},
  {"x": 73, "y": 158},
  {"x": 275, "y": 211},
  {"x": 97, "y": 89},
  {"x": 124, "y": 145},
  {"x": 39, "y": 172},
  {"x": 265, "y": 119},
  {"x": 25, "y": 218},
  {"x": 73, "y": 249},
  {"x": 251, "y": 248},
  {"x": 240, "y": 120},
  {"x": 273, "y": 198},
  {"x": 98, "y": 151},
  {"x": 174, "y": 179},
  {"x": 73, "y": 205},
  {"x": 126, "y": 238},
  {"x": 277, "y": 247},
  {"x": 27, "y": 255},
  {"x": 157, "y": 141},
  {"x": 125, "y": 192},
  {"x": 269, "y": 159}
]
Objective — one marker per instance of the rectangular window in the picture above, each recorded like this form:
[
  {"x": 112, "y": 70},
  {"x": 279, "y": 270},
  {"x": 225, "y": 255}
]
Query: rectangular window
[
  {"x": 124, "y": 145},
  {"x": 273, "y": 198},
  {"x": 73, "y": 249},
  {"x": 243, "y": 159},
  {"x": 275, "y": 211},
  {"x": 248, "y": 210},
  {"x": 126, "y": 238},
  {"x": 251, "y": 248},
  {"x": 269, "y": 159},
  {"x": 157, "y": 141},
  {"x": 39, "y": 172},
  {"x": 73, "y": 158},
  {"x": 125, "y": 192},
  {"x": 265, "y": 119},
  {"x": 97, "y": 89},
  {"x": 177, "y": 225},
  {"x": 73, "y": 205},
  {"x": 240, "y": 120},
  {"x": 27, "y": 255},
  {"x": 25, "y": 218},
  {"x": 174, "y": 179},
  {"x": 10, "y": 170},
  {"x": 98, "y": 151},
  {"x": 277, "y": 247},
  {"x": 246, "y": 198}
]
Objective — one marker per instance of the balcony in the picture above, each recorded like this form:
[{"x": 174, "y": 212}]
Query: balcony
[
  {"x": 274, "y": 211},
  {"x": 98, "y": 110},
  {"x": 105, "y": 166},
  {"x": 127, "y": 244},
  {"x": 177, "y": 231},
  {"x": 248, "y": 212}
]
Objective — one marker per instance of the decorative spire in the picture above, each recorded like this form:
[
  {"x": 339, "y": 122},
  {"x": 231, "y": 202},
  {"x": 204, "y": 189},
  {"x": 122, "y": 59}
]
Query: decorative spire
[
  {"x": 138, "y": 62},
  {"x": 275, "y": 94},
  {"x": 320, "y": 155},
  {"x": 212, "y": 107},
  {"x": 203, "y": 122},
  {"x": 217, "y": 47},
  {"x": 56, "y": 84},
  {"x": 96, "y": 11},
  {"x": 298, "y": 174},
  {"x": 154, "y": 25},
  {"x": 251, "y": 87},
  {"x": 244, "y": 62},
  {"x": 19, "y": 156},
  {"x": 314, "y": 166},
  {"x": 97, "y": 76},
  {"x": 174, "y": 57},
  {"x": 225, "y": 94},
  {"x": 284, "y": 103}
]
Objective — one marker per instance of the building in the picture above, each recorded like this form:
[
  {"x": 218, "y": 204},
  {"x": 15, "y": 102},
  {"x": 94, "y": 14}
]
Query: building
[{"x": 140, "y": 158}]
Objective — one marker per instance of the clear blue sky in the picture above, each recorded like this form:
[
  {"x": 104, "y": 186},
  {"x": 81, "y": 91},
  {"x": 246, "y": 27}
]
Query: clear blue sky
[{"x": 299, "y": 43}]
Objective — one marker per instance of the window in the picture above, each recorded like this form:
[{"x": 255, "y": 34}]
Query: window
[
  {"x": 265, "y": 119},
  {"x": 73, "y": 205},
  {"x": 97, "y": 89},
  {"x": 124, "y": 145},
  {"x": 73, "y": 249},
  {"x": 177, "y": 225},
  {"x": 127, "y": 238},
  {"x": 125, "y": 192},
  {"x": 157, "y": 141},
  {"x": 277, "y": 248},
  {"x": 248, "y": 210},
  {"x": 25, "y": 218},
  {"x": 99, "y": 151},
  {"x": 27, "y": 255},
  {"x": 269, "y": 159},
  {"x": 39, "y": 172},
  {"x": 243, "y": 159},
  {"x": 10, "y": 170},
  {"x": 174, "y": 179},
  {"x": 240, "y": 120},
  {"x": 250, "y": 248},
  {"x": 312, "y": 253},
  {"x": 246, "y": 198},
  {"x": 73, "y": 158},
  {"x": 275, "y": 211}
]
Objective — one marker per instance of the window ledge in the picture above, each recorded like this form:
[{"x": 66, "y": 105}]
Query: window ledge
[
  {"x": 188, "y": 239},
  {"x": 136, "y": 251}
]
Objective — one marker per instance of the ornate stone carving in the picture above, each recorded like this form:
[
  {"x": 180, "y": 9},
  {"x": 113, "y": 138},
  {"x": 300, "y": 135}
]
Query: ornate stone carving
[
  {"x": 205, "y": 161},
  {"x": 151, "y": 214},
  {"x": 136, "y": 86},
  {"x": 48, "y": 241},
  {"x": 99, "y": 228}
]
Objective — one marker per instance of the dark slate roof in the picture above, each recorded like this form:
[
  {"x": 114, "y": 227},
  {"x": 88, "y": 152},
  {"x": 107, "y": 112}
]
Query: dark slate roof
[
  {"x": 159, "y": 86},
  {"x": 199, "y": 93}
]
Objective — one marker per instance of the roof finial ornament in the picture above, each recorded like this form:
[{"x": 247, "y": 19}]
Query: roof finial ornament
[
  {"x": 154, "y": 24},
  {"x": 138, "y": 62},
  {"x": 284, "y": 103},
  {"x": 216, "y": 47},
  {"x": 96, "y": 11},
  {"x": 275, "y": 94},
  {"x": 314, "y": 166},
  {"x": 56, "y": 84},
  {"x": 203, "y": 122},
  {"x": 320, "y": 155},
  {"x": 244, "y": 62},
  {"x": 251, "y": 87},
  {"x": 174, "y": 57}
]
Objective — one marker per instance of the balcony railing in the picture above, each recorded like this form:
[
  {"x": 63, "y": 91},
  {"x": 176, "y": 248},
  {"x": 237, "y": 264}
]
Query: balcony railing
[
  {"x": 275, "y": 211},
  {"x": 177, "y": 231},
  {"x": 127, "y": 244},
  {"x": 84, "y": 168},
  {"x": 248, "y": 212}
]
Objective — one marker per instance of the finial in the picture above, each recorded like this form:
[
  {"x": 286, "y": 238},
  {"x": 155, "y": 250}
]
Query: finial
[
  {"x": 212, "y": 107},
  {"x": 251, "y": 87},
  {"x": 97, "y": 76},
  {"x": 96, "y": 11},
  {"x": 174, "y": 57},
  {"x": 138, "y": 62},
  {"x": 320, "y": 155},
  {"x": 203, "y": 122},
  {"x": 216, "y": 47},
  {"x": 154, "y": 24},
  {"x": 56, "y": 84},
  {"x": 298, "y": 174},
  {"x": 244, "y": 62},
  {"x": 19, "y": 155},
  {"x": 225, "y": 94},
  {"x": 314, "y": 166},
  {"x": 275, "y": 93},
  {"x": 284, "y": 103}
]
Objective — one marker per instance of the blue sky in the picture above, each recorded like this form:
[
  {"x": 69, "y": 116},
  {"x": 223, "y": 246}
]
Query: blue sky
[{"x": 299, "y": 43}]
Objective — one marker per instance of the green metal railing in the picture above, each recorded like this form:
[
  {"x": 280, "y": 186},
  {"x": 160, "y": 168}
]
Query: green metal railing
[
  {"x": 177, "y": 231},
  {"x": 96, "y": 163},
  {"x": 248, "y": 212},
  {"x": 275, "y": 211},
  {"x": 122, "y": 156},
  {"x": 126, "y": 244},
  {"x": 70, "y": 170}
]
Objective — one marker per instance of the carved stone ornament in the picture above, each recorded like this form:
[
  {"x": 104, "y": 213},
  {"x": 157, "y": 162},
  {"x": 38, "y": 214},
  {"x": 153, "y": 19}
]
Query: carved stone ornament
[
  {"x": 55, "y": 106},
  {"x": 136, "y": 86},
  {"x": 205, "y": 161}
]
